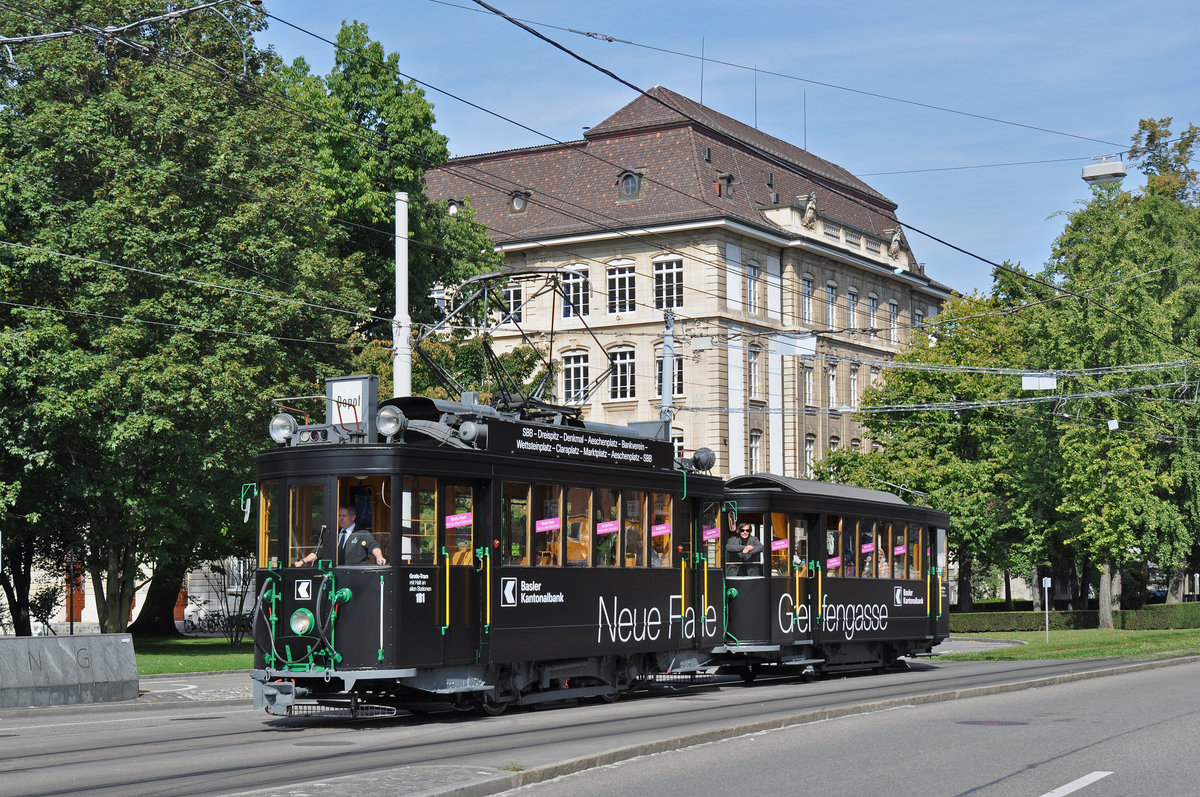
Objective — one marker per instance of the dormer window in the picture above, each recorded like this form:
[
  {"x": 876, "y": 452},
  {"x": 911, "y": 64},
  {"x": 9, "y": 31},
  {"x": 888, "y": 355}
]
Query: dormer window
[
  {"x": 724, "y": 184},
  {"x": 518, "y": 201},
  {"x": 629, "y": 185}
]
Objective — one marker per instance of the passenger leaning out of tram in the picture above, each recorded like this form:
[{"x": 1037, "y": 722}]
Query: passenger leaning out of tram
[{"x": 743, "y": 553}]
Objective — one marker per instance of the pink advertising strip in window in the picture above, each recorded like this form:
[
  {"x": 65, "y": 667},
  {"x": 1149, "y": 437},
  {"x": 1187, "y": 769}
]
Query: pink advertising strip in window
[
  {"x": 549, "y": 524},
  {"x": 832, "y": 562},
  {"x": 899, "y": 549},
  {"x": 711, "y": 534},
  {"x": 660, "y": 529},
  {"x": 778, "y": 545},
  {"x": 608, "y": 527},
  {"x": 458, "y": 521},
  {"x": 868, "y": 547}
]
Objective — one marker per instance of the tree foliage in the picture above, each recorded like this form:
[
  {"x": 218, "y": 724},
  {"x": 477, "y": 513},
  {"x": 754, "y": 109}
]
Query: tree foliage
[{"x": 175, "y": 230}]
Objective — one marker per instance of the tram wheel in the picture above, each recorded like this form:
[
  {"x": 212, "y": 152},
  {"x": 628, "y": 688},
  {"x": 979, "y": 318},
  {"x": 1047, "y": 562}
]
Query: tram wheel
[
  {"x": 492, "y": 708},
  {"x": 612, "y": 697}
]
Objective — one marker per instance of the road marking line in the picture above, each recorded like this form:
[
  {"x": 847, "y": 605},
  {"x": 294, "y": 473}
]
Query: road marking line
[{"x": 1077, "y": 784}]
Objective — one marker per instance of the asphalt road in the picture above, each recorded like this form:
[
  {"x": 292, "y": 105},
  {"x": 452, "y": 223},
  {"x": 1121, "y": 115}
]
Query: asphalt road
[
  {"x": 1134, "y": 734},
  {"x": 198, "y": 735}
]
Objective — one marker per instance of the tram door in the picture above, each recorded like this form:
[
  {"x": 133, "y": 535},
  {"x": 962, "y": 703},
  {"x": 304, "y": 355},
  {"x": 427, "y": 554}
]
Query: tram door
[{"x": 460, "y": 571}]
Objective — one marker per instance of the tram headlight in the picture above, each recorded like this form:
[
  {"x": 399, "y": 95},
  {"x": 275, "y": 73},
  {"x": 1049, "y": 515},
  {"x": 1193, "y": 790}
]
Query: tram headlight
[
  {"x": 283, "y": 428},
  {"x": 704, "y": 459},
  {"x": 390, "y": 421},
  {"x": 302, "y": 622}
]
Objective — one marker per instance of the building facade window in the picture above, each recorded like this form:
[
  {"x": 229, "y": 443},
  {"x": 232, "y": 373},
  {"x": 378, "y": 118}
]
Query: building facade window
[
  {"x": 855, "y": 445},
  {"x": 873, "y": 315},
  {"x": 752, "y": 274},
  {"x": 677, "y": 441},
  {"x": 830, "y": 306},
  {"x": 893, "y": 321},
  {"x": 621, "y": 380},
  {"x": 576, "y": 377},
  {"x": 809, "y": 398},
  {"x": 835, "y": 443},
  {"x": 854, "y": 386},
  {"x": 677, "y": 383},
  {"x": 622, "y": 298},
  {"x": 577, "y": 294},
  {"x": 833, "y": 402},
  {"x": 753, "y": 357},
  {"x": 918, "y": 319},
  {"x": 514, "y": 304},
  {"x": 668, "y": 284},
  {"x": 874, "y": 375},
  {"x": 806, "y": 299},
  {"x": 852, "y": 309},
  {"x": 756, "y": 436},
  {"x": 810, "y": 454}
]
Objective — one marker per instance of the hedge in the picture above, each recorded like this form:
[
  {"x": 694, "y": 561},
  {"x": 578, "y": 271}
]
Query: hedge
[{"x": 1170, "y": 615}]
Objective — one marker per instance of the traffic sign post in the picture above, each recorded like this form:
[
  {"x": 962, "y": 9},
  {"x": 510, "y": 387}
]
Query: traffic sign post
[{"x": 1046, "y": 603}]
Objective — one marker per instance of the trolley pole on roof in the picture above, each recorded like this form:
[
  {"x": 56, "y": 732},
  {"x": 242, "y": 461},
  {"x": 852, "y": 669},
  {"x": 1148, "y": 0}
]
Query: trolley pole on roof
[
  {"x": 402, "y": 323},
  {"x": 667, "y": 412}
]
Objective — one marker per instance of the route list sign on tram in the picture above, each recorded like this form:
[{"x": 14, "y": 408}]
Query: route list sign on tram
[{"x": 564, "y": 442}]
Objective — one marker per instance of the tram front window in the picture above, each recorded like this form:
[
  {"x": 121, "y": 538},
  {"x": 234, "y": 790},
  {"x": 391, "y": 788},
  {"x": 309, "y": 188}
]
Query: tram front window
[
  {"x": 271, "y": 551},
  {"x": 418, "y": 520},
  {"x": 370, "y": 499},
  {"x": 307, "y": 502}
]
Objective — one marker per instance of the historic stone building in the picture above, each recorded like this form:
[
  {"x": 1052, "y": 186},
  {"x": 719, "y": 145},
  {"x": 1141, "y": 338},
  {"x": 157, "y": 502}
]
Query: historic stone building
[{"x": 789, "y": 279}]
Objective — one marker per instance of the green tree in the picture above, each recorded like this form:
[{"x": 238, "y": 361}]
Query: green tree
[
  {"x": 954, "y": 453},
  {"x": 157, "y": 223},
  {"x": 375, "y": 137}
]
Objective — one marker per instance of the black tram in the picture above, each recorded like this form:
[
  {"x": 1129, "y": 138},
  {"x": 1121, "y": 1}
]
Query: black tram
[
  {"x": 850, "y": 578},
  {"x": 528, "y": 557},
  {"x": 522, "y": 556}
]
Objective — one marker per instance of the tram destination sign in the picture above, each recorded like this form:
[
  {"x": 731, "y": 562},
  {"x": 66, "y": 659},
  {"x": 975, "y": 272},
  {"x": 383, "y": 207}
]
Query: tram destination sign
[{"x": 584, "y": 445}]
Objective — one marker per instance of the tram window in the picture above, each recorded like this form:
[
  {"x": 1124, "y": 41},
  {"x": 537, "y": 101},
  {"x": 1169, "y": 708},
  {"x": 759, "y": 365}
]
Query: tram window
[
  {"x": 660, "y": 530},
  {"x": 270, "y": 542},
  {"x": 684, "y": 531},
  {"x": 941, "y": 551},
  {"x": 371, "y": 499},
  {"x": 579, "y": 527},
  {"x": 899, "y": 550},
  {"x": 800, "y": 526},
  {"x": 307, "y": 502},
  {"x": 459, "y": 519},
  {"x": 916, "y": 546},
  {"x": 833, "y": 540},
  {"x": 710, "y": 533},
  {"x": 514, "y": 520},
  {"x": 780, "y": 555},
  {"x": 633, "y": 526},
  {"x": 883, "y": 549},
  {"x": 544, "y": 548},
  {"x": 866, "y": 548},
  {"x": 607, "y": 527},
  {"x": 418, "y": 520},
  {"x": 849, "y": 547}
]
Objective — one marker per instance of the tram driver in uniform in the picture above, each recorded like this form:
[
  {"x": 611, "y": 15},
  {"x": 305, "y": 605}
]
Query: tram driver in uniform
[
  {"x": 744, "y": 548},
  {"x": 350, "y": 546}
]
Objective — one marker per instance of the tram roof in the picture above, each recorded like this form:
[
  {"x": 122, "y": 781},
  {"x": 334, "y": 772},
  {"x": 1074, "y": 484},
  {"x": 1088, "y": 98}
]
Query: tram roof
[{"x": 812, "y": 488}]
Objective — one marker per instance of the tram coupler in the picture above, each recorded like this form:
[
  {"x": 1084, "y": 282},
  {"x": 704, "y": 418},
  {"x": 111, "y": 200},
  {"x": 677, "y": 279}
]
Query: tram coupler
[{"x": 277, "y": 697}]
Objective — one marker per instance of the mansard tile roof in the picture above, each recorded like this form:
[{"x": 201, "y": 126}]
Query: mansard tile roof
[{"x": 573, "y": 186}]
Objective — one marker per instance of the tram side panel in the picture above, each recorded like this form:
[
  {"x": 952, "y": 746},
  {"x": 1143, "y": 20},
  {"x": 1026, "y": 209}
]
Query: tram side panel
[{"x": 554, "y": 613}]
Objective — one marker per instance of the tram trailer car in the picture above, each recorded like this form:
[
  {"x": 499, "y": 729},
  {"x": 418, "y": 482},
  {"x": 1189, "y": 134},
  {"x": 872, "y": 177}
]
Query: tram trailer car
[
  {"x": 850, "y": 578},
  {"x": 529, "y": 557}
]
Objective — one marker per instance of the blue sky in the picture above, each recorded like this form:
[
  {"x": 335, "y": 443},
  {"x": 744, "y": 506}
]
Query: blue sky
[{"x": 1084, "y": 72}]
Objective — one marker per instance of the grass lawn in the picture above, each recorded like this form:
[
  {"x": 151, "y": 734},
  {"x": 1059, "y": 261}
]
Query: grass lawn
[
  {"x": 184, "y": 654},
  {"x": 1092, "y": 643}
]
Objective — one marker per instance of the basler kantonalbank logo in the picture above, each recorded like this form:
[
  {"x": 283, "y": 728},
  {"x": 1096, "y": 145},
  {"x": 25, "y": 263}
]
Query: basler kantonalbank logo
[{"x": 508, "y": 592}]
